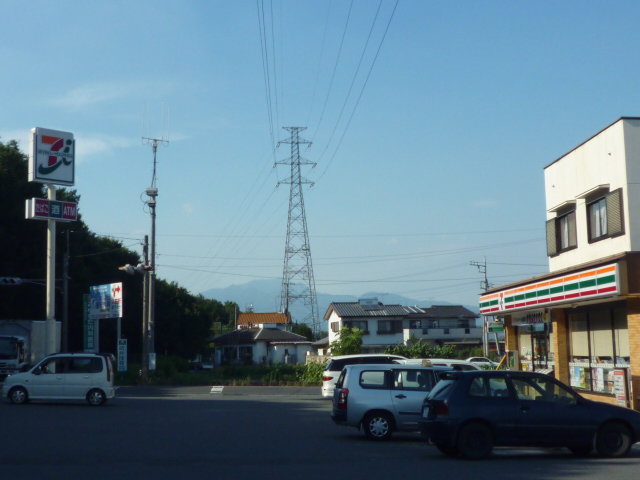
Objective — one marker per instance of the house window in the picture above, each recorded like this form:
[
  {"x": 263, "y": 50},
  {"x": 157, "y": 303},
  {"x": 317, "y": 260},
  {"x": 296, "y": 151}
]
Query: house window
[
  {"x": 360, "y": 325},
  {"x": 389, "y": 326},
  {"x": 415, "y": 324},
  {"x": 604, "y": 216},
  {"x": 561, "y": 233},
  {"x": 335, "y": 327}
]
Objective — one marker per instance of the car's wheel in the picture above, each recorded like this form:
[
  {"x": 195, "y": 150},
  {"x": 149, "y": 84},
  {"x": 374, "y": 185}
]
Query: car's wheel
[
  {"x": 378, "y": 426},
  {"x": 581, "y": 451},
  {"x": 96, "y": 397},
  {"x": 18, "y": 395},
  {"x": 448, "y": 450},
  {"x": 613, "y": 440},
  {"x": 475, "y": 441}
]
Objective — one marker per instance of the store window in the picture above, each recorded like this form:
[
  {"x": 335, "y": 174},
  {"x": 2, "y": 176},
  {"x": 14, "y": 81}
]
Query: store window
[{"x": 599, "y": 343}]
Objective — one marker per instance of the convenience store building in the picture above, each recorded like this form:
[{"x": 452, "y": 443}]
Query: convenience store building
[{"x": 581, "y": 321}]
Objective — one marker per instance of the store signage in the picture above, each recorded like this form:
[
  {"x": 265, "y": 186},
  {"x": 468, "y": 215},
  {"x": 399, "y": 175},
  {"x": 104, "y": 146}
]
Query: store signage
[
  {"x": 106, "y": 301},
  {"x": 43, "y": 209},
  {"x": 51, "y": 157},
  {"x": 122, "y": 355},
  {"x": 620, "y": 387},
  {"x": 530, "y": 318},
  {"x": 585, "y": 285}
]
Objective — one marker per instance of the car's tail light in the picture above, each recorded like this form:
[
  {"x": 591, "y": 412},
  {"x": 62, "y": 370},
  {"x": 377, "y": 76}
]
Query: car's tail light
[
  {"x": 342, "y": 399},
  {"x": 442, "y": 410},
  {"x": 326, "y": 378}
]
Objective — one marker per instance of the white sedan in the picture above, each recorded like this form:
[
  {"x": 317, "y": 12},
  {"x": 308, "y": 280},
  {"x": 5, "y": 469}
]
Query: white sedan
[{"x": 483, "y": 362}]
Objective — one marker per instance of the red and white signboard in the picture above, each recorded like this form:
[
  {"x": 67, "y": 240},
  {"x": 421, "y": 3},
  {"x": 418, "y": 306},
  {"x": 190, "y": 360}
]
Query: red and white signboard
[
  {"x": 43, "y": 209},
  {"x": 52, "y": 157}
]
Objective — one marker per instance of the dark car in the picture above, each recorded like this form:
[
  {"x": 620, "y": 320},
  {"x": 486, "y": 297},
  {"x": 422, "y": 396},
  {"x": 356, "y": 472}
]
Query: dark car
[{"x": 468, "y": 413}]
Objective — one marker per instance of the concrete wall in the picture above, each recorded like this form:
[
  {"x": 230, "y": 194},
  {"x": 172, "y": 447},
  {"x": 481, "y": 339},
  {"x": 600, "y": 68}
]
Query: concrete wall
[{"x": 611, "y": 157}]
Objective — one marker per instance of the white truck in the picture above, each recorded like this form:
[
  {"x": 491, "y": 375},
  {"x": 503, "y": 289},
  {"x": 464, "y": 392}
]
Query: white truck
[{"x": 22, "y": 344}]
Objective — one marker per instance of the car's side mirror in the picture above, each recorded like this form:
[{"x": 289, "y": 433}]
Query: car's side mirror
[{"x": 37, "y": 371}]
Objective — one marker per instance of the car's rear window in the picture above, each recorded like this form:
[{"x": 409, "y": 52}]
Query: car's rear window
[{"x": 447, "y": 381}]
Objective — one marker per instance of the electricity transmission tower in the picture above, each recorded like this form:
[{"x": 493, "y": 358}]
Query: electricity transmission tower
[{"x": 298, "y": 284}]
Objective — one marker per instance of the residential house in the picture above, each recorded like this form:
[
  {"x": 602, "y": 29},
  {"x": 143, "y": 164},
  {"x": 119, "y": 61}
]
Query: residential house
[
  {"x": 582, "y": 319},
  {"x": 386, "y": 325},
  {"x": 261, "y": 344}
]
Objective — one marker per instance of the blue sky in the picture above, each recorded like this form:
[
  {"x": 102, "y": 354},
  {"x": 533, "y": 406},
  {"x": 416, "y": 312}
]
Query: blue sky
[{"x": 430, "y": 142}]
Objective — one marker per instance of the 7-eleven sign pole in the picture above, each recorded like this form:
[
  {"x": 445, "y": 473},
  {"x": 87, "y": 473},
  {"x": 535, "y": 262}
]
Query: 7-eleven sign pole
[
  {"x": 50, "y": 323},
  {"x": 51, "y": 162}
]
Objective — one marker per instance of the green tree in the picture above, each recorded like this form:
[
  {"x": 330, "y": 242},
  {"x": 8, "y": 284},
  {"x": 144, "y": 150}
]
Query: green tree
[
  {"x": 304, "y": 330},
  {"x": 349, "y": 342}
]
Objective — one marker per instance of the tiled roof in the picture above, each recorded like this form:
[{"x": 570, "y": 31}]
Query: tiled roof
[
  {"x": 260, "y": 318},
  {"x": 253, "y": 335},
  {"x": 445, "y": 311},
  {"x": 277, "y": 335},
  {"x": 354, "y": 309}
]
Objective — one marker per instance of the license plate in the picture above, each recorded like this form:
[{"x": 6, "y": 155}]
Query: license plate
[{"x": 425, "y": 412}]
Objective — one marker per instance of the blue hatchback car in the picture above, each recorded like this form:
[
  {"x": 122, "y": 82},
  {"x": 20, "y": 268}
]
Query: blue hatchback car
[{"x": 468, "y": 413}]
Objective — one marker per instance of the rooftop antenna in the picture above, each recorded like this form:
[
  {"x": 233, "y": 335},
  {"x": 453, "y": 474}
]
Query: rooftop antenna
[{"x": 148, "y": 361}]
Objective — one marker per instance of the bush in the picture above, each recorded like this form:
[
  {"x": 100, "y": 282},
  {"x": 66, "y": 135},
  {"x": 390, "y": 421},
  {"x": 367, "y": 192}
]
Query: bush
[{"x": 311, "y": 373}]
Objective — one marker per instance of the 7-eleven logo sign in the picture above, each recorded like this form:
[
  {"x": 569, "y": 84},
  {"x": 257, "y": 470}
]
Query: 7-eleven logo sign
[{"x": 51, "y": 157}]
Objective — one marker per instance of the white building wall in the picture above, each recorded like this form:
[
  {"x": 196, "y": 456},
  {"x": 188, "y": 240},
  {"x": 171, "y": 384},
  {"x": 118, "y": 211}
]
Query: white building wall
[
  {"x": 632, "y": 197},
  {"x": 259, "y": 351},
  {"x": 611, "y": 157},
  {"x": 373, "y": 338}
]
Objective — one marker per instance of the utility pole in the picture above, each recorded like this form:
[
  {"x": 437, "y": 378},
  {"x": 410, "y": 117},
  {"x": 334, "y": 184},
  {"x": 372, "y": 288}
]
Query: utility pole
[
  {"x": 152, "y": 192},
  {"x": 485, "y": 285},
  {"x": 65, "y": 299},
  {"x": 145, "y": 312},
  {"x": 298, "y": 283}
]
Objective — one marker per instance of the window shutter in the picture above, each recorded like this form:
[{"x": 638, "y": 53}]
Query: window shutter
[
  {"x": 552, "y": 247},
  {"x": 573, "y": 240},
  {"x": 615, "y": 224}
]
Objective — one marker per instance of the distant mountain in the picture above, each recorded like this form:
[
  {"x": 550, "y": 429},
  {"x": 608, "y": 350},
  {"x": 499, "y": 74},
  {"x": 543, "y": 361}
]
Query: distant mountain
[{"x": 264, "y": 296}]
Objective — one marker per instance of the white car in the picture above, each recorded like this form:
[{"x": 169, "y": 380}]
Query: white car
[
  {"x": 382, "y": 398},
  {"x": 337, "y": 363},
  {"x": 483, "y": 362},
  {"x": 64, "y": 376},
  {"x": 442, "y": 362}
]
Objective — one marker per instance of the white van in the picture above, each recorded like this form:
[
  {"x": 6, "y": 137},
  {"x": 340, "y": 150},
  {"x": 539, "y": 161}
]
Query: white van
[
  {"x": 337, "y": 363},
  {"x": 382, "y": 398},
  {"x": 441, "y": 362},
  {"x": 64, "y": 376}
]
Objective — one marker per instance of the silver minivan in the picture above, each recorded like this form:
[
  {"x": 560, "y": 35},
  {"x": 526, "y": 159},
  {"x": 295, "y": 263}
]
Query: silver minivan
[
  {"x": 337, "y": 363},
  {"x": 382, "y": 398},
  {"x": 64, "y": 376}
]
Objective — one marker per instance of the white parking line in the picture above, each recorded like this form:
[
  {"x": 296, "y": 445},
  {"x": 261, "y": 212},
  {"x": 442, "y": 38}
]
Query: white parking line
[{"x": 216, "y": 390}]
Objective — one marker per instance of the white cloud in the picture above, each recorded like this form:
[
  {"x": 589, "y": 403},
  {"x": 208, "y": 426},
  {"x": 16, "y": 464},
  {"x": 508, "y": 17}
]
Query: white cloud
[
  {"x": 91, "y": 145},
  {"x": 95, "y": 93},
  {"x": 90, "y": 95}
]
